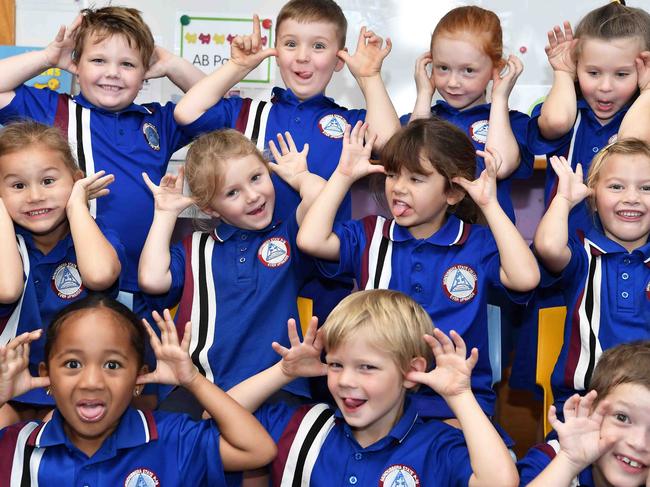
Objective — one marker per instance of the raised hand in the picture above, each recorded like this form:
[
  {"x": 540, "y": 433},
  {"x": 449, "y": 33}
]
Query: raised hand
[
  {"x": 483, "y": 190},
  {"x": 369, "y": 56},
  {"x": 289, "y": 163},
  {"x": 88, "y": 188},
  {"x": 159, "y": 63},
  {"x": 173, "y": 362},
  {"x": 303, "y": 358},
  {"x": 58, "y": 53},
  {"x": 453, "y": 371},
  {"x": 570, "y": 184},
  {"x": 168, "y": 195},
  {"x": 643, "y": 70},
  {"x": 355, "y": 155},
  {"x": 246, "y": 51},
  {"x": 424, "y": 82},
  {"x": 502, "y": 84},
  {"x": 15, "y": 378},
  {"x": 579, "y": 435},
  {"x": 560, "y": 48}
]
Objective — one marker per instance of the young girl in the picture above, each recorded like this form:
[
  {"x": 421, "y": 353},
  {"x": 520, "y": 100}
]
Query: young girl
[
  {"x": 466, "y": 54},
  {"x": 603, "y": 272},
  {"x": 239, "y": 283},
  {"x": 93, "y": 366},
  {"x": 426, "y": 246},
  {"x": 53, "y": 251}
]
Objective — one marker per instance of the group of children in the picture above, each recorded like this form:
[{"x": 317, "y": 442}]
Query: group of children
[{"x": 87, "y": 216}]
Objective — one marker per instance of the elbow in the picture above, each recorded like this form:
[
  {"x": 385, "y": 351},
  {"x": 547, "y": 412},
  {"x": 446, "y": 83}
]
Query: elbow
[
  {"x": 11, "y": 293},
  {"x": 304, "y": 242},
  {"x": 103, "y": 277},
  {"x": 555, "y": 125},
  {"x": 268, "y": 451},
  {"x": 181, "y": 114}
]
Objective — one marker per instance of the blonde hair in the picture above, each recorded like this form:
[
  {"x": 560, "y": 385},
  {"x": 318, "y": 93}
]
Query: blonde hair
[
  {"x": 627, "y": 147},
  {"x": 304, "y": 11},
  {"x": 390, "y": 320},
  {"x": 205, "y": 159}
]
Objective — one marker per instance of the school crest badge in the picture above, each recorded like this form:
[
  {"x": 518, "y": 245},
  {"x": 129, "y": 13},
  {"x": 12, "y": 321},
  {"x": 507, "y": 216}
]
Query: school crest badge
[
  {"x": 332, "y": 125},
  {"x": 399, "y": 476},
  {"x": 459, "y": 282},
  {"x": 66, "y": 281},
  {"x": 274, "y": 252},
  {"x": 141, "y": 477},
  {"x": 478, "y": 131},
  {"x": 151, "y": 135}
]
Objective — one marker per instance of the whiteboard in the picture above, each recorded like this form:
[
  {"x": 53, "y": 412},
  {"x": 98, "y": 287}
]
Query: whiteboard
[{"x": 408, "y": 23}]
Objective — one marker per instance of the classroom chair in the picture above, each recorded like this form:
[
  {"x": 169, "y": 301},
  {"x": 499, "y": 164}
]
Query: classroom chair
[
  {"x": 550, "y": 336},
  {"x": 305, "y": 311}
]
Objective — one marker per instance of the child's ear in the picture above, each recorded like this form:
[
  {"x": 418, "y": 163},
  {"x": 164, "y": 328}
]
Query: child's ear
[
  {"x": 42, "y": 370},
  {"x": 340, "y": 63},
  {"x": 210, "y": 212},
  {"x": 455, "y": 195},
  {"x": 77, "y": 175},
  {"x": 418, "y": 364}
]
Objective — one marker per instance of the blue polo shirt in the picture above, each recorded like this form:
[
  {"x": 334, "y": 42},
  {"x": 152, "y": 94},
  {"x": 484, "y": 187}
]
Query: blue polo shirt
[
  {"x": 140, "y": 138},
  {"x": 432, "y": 452},
  {"x": 607, "y": 291},
  {"x": 475, "y": 123},
  {"x": 146, "y": 449},
  {"x": 317, "y": 121},
  {"x": 53, "y": 283},
  {"x": 448, "y": 274},
  {"x": 256, "y": 277},
  {"x": 578, "y": 145},
  {"x": 539, "y": 457}
]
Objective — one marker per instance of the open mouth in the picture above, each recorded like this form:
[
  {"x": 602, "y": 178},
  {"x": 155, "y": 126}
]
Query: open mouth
[
  {"x": 258, "y": 210},
  {"x": 351, "y": 404},
  {"x": 111, "y": 88},
  {"x": 629, "y": 215},
  {"x": 630, "y": 464},
  {"x": 39, "y": 212},
  {"x": 604, "y": 106},
  {"x": 400, "y": 208},
  {"x": 304, "y": 74},
  {"x": 91, "y": 411}
]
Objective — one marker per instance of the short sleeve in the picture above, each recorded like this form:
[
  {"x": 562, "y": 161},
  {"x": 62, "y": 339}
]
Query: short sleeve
[
  {"x": 352, "y": 242},
  {"x": 29, "y": 102},
  {"x": 537, "y": 144},
  {"x": 532, "y": 464},
  {"x": 222, "y": 115},
  {"x": 177, "y": 270}
]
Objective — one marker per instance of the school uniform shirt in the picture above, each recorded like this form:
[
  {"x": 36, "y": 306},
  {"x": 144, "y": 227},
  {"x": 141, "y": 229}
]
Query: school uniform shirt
[
  {"x": 579, "y": 146},
  {"x": 317, "y": 121},
  {"x": 475, "y": 123},
  {"x": 51, "y": 282},
  {"x": 239, "y": 288},
  {"x": 607, "y": 291},
  {"x": 140, "y": 138},
  {"x": 448, "y": 274},
  {"x": 146, "y": 449},
  {"x": 413, "y": 453},
  {"x": 539, "y": 457}
]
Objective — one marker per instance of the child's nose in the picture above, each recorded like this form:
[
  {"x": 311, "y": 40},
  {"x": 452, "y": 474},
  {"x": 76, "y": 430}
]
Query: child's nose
[
  {"x": 605, "y": 83},
  {"x": 35, "y": 193},
  {"x": 454, "y": 79},
  {"x": 303, "y": 53},
  {"x": 252, "y": 195},
  {"x": 91, "y": 378},
  {"x": 347, "y": 378}
]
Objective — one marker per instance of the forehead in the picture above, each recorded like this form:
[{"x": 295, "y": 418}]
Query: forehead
[
  {"x": 100, "y": 40},
  {"x": 628, "y": 166},
  {"x": 236, "y": 169},
  {"x": 32, "y": 159},
  {"x": 610, "y": 51},
  {"x": 458, "y": 47},
  {"x": 308, "y": 29},
  {"x": 359, "y": 345},
  {"x": 635, "y": 397}
]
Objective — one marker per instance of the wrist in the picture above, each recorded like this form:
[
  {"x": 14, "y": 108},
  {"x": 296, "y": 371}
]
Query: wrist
[
  {"x": 366, "y": 80},
  {"x": 569, "y": 464},
  {"x": 193, "y": 382}
]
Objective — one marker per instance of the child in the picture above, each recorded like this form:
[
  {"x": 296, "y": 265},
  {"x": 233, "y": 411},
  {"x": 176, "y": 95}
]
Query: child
[
  {"x": 425, "y": 246},
  {"x": 253, "y": 269},
  {"x": 465, "y": 55},
  {"x": 375, "y": 354},
  {"x": 603, "y": 272},
  {"x": 111, "y": 51},
  {"x": 53, "y": 251},
  {"x": 93, "y": 367},
  {"x": 604, "y": 440}
]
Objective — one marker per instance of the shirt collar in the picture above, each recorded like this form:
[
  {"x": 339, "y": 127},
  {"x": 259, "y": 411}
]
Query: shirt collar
[
  {"x": 225, "y": 231},
  {"x": 81, "y": 100},
  {"x": 287, "y": 96},
  {"x": 59, "y": 250},
  {"x": 600, "y": 244},
  {"x": 616, "y": 119},
  {"x": 446, "y": 107},
  {"x": 453, "y": 232}
]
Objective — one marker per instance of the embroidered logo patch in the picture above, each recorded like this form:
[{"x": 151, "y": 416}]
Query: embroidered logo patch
[
  {"x": 141, "y": 477},
  {"x": 479, "y": 131},
  {"x": 274, "y": 252},
  {"x": 151, "y": 135},
  {"x": 66, "y": 281},
  {"x": 399, "y": 476},
  {"x": 459, "y": 282},
  {"x": 332, "y": 125}
]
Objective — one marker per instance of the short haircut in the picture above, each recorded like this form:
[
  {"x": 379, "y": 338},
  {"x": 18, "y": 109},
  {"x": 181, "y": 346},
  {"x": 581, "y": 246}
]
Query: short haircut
[
  {"x": 482, "y": 25},
  {"x": 205, "y": 159},
  {"x": 390, "y": 320},
  {"x": 627, "y": 363},
  {"x": 441, "y": 143},
  {"x": 18, "y": 136},
  {"x": 106, "y": 22},
  {"x": 97, "y": 300},
  {"x": 305, "y": 11},
  {"x": 628, "y": 147}
]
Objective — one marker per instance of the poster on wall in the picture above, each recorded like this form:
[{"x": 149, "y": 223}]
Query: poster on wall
[
  {"x": 204, "y": 40},
  {"x": 52, "y": 78}
]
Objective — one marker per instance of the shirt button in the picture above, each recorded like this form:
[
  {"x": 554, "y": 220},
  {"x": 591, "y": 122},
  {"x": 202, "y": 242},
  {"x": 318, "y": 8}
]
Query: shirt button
[
  {"x": 353, "y": 480},
  {"x": 625, "y": 276},
  {"x": 625, "y": 294},
  {"x": 358, "y": 456},
  {"x": 297, "y": 119},
  {"x": 244, "y": 236},
  {"x": 242, "y": 259},
  {"x": 595, "y": 149},
  {"x": 243, "y": 249},
  {"x": 121, "y": 131},
  {"x": 417, "y": 288},
  {"x": 626, "y": 261},
  {"x": 419, "y": 250},
  {"x": 36, "y": 281},
  {"x": 418, "y": 267}
]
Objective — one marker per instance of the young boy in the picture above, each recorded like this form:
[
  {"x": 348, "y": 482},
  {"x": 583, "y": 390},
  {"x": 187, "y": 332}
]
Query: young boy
[
  {"x": 111, "y": 51},
  {"x": 375, "y": 354},
  {"x": 605, "y": 439}
]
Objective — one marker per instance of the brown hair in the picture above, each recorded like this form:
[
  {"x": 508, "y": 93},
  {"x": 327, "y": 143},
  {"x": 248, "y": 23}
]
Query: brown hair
[
  {"x": 483, "y": 25},
  {"x": 626, "y": 147},
  {"x": 205, "y": 157},
  {"x": 109, "y": 21},
  {"x": 444, "y": 145},
  {"x": 304, "y": 11},
  {"x": 18, "y": 136},
  {"x": 627, "y": 363},
  {"x": 390, "y": 320}
]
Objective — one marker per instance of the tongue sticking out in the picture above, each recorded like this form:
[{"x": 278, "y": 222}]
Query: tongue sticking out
[
  {"x": 353, "y": 403},
  {"x": 400, "y": 208},
  {"x": 91, "y": 411}
]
